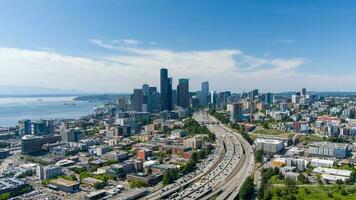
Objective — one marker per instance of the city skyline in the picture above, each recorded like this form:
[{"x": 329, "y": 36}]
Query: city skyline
[{"x": 276, "y": 47}]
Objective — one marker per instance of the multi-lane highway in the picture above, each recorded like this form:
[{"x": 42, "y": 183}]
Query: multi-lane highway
[{"x": 222, "y": 174}]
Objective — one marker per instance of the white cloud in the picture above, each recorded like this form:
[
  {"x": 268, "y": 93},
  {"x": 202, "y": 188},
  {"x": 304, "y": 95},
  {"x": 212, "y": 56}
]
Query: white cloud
[
  {"x": 129, "y": 67},
  {"x": 131, "y": 41}
]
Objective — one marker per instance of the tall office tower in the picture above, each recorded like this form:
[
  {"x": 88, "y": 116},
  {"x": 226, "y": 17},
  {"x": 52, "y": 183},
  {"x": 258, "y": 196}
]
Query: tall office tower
[
  {"x": 25, "y": 127},
  {"x": 42, "y": 127},
  {"x": 296, "y": 98},
  {"x": 137, "y": 99},
  {"x": 236, "y": 112},
  {"x": 183, "y": 93},
  {"x": 222, "y": 97},
  {"x": 268, "y": 98},
  {"x": 153, "y": 100},
  {"x": 121, "y": 103},
  {"x": 166, "y": 90},
  {"x": 205, "y": 93},
  {"x": 304, "y": 92},
  {"x": 252, "y": 94},
  {"x": 174, "y": 97},
  {"x": 145, "y": 88},
  {"x": 215, "y": 98},
  {"x": 170, "y": 93}
]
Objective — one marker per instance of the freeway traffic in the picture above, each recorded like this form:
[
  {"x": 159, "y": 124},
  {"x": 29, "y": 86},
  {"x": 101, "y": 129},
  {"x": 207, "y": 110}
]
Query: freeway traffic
[{"x": 222, "y": 174}]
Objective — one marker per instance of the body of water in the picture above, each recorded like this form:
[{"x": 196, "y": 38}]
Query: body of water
[{"x": 14, "y": 109}]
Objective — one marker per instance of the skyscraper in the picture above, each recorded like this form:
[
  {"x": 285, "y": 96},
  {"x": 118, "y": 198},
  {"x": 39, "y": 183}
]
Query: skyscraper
[
  {"x": 268, "y": 98},
  {"x": 174, "y": 97},
  {"x": 252, "y": 94},
  {"x": 145, "y": 88},
  {"x": 205, "y": 93},
  {"x": 153, "y": 100},
  {"x": 304, "y": 92},
  {"x": 166, "y": 90},
  {"x": 137, "y": 99},
  {"x": 121, "y": 103},
  {"x": 183, "y": 93}
]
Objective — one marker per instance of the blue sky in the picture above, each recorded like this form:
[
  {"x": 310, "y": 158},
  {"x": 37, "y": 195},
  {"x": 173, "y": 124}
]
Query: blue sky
[{"x": 272, "y": 45}]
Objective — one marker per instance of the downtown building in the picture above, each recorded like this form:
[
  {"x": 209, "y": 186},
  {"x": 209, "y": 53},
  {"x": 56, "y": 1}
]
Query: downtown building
[
  {"x": 183, "y": 93},
  {"x": 166, "y": 90}
]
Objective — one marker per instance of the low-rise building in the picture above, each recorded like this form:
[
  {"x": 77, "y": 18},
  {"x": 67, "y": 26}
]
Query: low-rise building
[
  {"x": 101, "y": 150},
  {"x": 100, "y": 194},
  {"x": 64, "y": 185},
  {"x": 12, "y": 185},
  {"x": 143, "y": 154},
  {"x": 116, "y": 155},
  {"x": 4, "y": 153},
  {"x": 269, "y": 145},
  {"x": 315, "y": 162},
  {"x": 338, "y": 150},
  {"x": 194, "y": 143},
  {"x": 150, "y": 180},
  {"x": 332, "y": 174}
]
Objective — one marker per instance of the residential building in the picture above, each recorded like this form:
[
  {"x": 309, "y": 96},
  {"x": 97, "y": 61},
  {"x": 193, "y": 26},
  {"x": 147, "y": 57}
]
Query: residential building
[{"x": 338, "y": 150}]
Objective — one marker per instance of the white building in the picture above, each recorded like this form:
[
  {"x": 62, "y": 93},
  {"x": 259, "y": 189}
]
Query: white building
[
  {"x": 46, "y": 172},
  {"x": 315, "y": 162},
  {"x": 269, "y": 145},
  {"x": 330, "y": 171}
]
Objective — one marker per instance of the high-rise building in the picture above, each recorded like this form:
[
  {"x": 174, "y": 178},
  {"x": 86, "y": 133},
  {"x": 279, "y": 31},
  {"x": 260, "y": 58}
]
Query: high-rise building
[
  {"x": 47, "y": 172},
  {"x": 145, "y": 88},
  {"x": 236, "y": 112},
  {"x": 25, "y": 127},
  {"x": 215, "y": 98},
  {"x": 137, "y": 100},
  {"x": 166, "y": 90},
  {"x": 174, "y": 97},
  {"x": 253, "y": 94},
  {"x": 205, "y": 93},
  {"x": 42, "y": 127},
  {"x": 296, "y": 98},
  {"x": 221, "y": 100},
  {"x": 121, "y": 103},
  {"x": 268, "y": 98},
  {"x": 153, "y": 100},
  {"x": 183, "y": 93},
  {"x": 72, "y": 135},
  {"x": 304, "y": 92}
]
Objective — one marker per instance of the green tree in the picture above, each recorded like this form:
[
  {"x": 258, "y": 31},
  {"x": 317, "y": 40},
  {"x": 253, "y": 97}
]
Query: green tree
[
  {"x": 339, "y": 182},
  {"x": 5, "y": 196},
  {"x": 137, "y": 184},
  {"x": 247, "y": 189},
  {"x": 301, "y": 178},
  {"x": 259, "y": 156},
  {"x": 99, "y": 185}
]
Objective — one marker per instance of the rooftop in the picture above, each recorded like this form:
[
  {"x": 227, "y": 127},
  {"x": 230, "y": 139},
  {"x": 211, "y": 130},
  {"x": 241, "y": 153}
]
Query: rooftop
[
  {"x": 338, "y": 172},
  {"x": 329, "y": 145},
  {"x": 269, "y": 141},
  {"x": 64, "y": 182}
]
